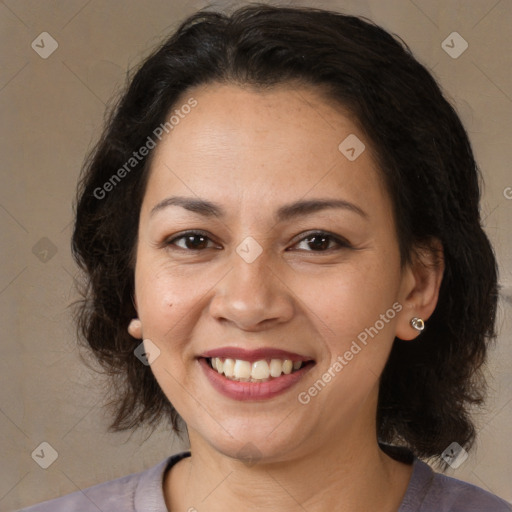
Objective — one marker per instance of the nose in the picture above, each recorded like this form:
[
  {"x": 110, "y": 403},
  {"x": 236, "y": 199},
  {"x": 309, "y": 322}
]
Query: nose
[{"x": 252, "y": 296}]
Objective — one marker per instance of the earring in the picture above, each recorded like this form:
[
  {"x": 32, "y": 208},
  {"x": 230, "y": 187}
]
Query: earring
[
  {"x": 135, "y": 328},
  {"x": 417, "y": 323}
]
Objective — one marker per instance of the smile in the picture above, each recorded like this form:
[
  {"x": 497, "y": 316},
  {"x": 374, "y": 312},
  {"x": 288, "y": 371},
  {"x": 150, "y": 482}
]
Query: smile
[
  {"x": 253, "y": 375},
  {"x": 259, "y": 371}
]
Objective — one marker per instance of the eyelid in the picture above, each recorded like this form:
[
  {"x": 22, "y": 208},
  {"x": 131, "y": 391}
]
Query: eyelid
[
  {"x": 171, "y": 240},
  {"x": 341, "y": 241}
]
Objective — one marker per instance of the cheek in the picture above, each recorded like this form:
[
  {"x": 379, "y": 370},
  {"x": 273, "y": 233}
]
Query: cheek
[
  {"x": 354, "y": 312},
  {"x": 347, "y": 300},
  {"x": 355, "y": 315},
  {"x": 163, "y": 291},
  {"x": 171, "y": 301},
  {"x": 168, "y": 308}
]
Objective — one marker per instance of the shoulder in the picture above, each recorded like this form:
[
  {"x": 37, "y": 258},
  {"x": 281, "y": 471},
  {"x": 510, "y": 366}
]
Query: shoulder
[
  {"x": 129, "y": 493},
  {"x": 113, "y": 494},
  {"x": 465, "y": 497},
  {"x": 430, "y": 491}
]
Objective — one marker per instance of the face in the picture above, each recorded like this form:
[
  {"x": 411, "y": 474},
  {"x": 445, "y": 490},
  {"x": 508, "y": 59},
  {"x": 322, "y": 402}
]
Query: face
[{"x": 261, "y": 242}]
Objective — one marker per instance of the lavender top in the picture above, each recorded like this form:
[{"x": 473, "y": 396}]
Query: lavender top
[{"x": 427, "y": 491}]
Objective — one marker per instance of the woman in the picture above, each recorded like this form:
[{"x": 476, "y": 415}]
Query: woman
[{"x": 281, "y": 231}]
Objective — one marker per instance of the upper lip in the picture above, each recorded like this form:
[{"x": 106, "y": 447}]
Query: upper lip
[{"x": 254, "y": 354}]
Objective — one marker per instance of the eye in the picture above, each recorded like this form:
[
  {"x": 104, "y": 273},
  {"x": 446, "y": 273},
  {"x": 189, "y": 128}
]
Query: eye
[
  {"x": 321, "y": 241},
  {"x": 192, "y": 241}
]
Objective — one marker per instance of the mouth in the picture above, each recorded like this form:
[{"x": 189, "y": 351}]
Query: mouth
[
  {"x": 259, "y": 371},
  {"x": 253, "y": 375}
]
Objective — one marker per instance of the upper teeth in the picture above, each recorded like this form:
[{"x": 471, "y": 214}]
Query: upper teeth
[{"x": 237, "y": 369}]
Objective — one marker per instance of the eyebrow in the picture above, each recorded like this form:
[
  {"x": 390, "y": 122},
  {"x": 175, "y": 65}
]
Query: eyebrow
[{"x": 286, "y": 212}]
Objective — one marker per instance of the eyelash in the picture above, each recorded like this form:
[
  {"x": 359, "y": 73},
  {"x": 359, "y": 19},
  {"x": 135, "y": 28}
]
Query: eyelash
[{"x": 341, "y": 242}]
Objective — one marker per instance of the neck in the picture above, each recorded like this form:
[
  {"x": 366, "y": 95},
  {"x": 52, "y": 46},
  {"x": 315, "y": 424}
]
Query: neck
[{"x": 338, "y": 475}]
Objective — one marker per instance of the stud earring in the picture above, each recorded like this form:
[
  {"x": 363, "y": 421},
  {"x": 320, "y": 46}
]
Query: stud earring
[
  {"x": 135, "y": 328},
  {"x": 417, "y": 323}
]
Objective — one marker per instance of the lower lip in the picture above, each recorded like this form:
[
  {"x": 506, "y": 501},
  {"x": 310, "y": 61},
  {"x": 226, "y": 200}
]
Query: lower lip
[{"x": 247, "y": 391}]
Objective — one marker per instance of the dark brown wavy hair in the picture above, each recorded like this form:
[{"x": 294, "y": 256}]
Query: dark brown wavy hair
[{"x": 427, "y": 387}]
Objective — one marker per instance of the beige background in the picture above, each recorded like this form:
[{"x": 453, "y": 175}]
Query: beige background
[{"x": 52, "y": 110}]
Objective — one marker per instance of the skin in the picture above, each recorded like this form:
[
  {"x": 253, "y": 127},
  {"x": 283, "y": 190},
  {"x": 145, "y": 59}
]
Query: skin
[{"x": 251, "y": 152}]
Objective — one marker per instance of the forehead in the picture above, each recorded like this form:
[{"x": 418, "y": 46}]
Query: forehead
[{"x": 241, "y": 142}]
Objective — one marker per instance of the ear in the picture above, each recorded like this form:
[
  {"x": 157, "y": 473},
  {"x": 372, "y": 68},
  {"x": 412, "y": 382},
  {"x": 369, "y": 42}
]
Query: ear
[
  {"x": 135, "y": 328},
  {"x": 419, "y": 291}
]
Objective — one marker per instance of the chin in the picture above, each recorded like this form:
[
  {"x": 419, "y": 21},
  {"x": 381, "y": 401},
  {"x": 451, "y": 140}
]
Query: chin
[{"x": 253, "y": 441}]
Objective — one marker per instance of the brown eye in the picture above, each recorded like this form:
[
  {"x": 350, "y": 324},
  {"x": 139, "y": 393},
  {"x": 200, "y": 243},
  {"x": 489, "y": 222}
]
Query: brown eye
[
  {"x": 318, "y": 242},
  {"x": 192, "y": 241},
  {"x": 321, "y": 242}
]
